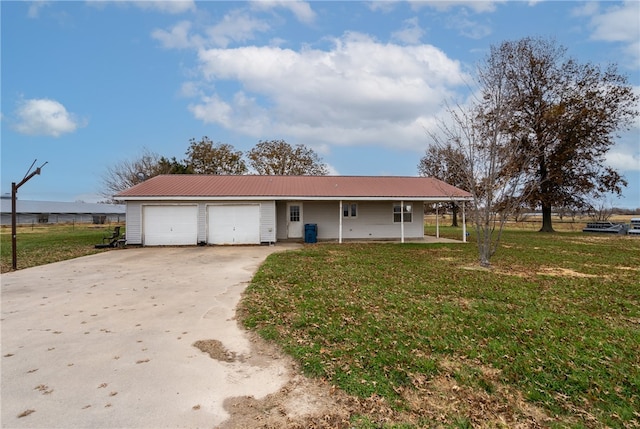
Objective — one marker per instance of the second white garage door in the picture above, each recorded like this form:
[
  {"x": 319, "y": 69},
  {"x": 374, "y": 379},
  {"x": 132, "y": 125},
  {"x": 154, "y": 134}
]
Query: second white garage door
[
  {"x": 234, "y": 224},
  {"x": 170, "y": 225}
]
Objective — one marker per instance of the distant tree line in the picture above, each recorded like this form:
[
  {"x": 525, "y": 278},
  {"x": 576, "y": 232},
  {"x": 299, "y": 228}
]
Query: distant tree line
[{"x": 273, "y": 157}]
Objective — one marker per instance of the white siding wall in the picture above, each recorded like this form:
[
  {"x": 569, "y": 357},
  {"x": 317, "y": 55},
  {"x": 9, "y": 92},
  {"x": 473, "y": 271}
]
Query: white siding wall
[
  {"x": 267, "y": 218},
  {"x": 202, "y": 223},
  {"x": 374, "y": 221},
  {"x": 268, "y": 226},
  {"x": 281, "y": 220},
  {"x": 134, "y": 222},
  {"x": 325, "y": 214}
]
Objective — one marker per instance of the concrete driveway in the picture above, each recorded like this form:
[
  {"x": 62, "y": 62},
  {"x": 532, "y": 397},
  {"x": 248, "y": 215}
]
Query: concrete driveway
[{"x": 107, "y": 340}]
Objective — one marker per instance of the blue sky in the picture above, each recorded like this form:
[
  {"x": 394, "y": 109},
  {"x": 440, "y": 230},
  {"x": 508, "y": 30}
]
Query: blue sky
[{"x": 88, "y": 84}]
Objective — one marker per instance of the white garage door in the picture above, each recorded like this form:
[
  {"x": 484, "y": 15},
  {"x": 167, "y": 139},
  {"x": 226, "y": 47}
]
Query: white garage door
[
  {"x": 170, "y": 225},
  {"x": 234, "y": 224}
]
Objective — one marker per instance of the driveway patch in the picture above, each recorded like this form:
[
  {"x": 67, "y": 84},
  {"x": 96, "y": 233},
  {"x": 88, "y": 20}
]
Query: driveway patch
[{"x": 126, "y": 339}]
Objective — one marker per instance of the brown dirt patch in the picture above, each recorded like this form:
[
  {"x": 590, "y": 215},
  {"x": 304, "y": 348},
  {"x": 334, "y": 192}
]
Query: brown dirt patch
[
  {"x": 563, "y": 272},
  {"x": 215, "y": 349},
  {"x": 628, "y": 268}
]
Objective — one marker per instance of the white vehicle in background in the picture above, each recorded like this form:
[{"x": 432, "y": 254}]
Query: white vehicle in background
[{"x": 634, "y": 229}]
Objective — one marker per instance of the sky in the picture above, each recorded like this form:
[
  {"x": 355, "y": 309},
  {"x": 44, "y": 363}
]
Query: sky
[{"x": 87, "y": 85}]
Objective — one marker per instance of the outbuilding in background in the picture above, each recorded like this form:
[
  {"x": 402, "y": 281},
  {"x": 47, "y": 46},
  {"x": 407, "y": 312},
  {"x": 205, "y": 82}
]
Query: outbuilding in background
[{"x": 51, "y": 212}]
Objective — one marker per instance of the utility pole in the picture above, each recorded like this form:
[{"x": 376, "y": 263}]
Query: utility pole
[{"x": 14, "y": 197}]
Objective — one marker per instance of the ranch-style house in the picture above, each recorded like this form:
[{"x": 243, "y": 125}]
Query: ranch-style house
[{"x": 250, "y": 209}]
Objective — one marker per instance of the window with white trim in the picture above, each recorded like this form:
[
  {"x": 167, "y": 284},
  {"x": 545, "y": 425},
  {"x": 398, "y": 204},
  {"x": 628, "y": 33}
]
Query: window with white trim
[
  {"x": 402, "y": 213},
  {"x": 350, "y": 210}
]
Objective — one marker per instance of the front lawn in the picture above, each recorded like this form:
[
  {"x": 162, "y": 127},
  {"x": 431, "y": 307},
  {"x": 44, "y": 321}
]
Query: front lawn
[
  {"x": 44, "y": 244},
  {"x": 550, "y": 336}
]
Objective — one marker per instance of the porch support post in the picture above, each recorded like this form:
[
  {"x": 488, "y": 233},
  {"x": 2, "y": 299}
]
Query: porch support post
[
  {"x": 402, "y": 221},
  {"x": 437, "y": 221},
  {"x": 340, "y": 222},
  {"x": 464, "y": 224}
]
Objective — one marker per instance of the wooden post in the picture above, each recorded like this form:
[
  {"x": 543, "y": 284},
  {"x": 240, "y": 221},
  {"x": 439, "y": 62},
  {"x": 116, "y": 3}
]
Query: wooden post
[
  {"x": 14, "y": 197},
  {"x": 437, "y": 221}
]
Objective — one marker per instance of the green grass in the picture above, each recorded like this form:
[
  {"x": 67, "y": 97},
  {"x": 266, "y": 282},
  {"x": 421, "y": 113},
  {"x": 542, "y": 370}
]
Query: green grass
[
  {"x": 555, "y": 324},
  {"x": 44, "y": 244}
]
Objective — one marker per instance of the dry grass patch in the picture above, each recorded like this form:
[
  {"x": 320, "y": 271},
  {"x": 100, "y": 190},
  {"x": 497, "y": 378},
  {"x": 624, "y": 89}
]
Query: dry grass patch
[{"x": 564, "y": 272}]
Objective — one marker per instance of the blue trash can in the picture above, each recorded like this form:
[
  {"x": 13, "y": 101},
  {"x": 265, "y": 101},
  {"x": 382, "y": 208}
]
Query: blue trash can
[{"x": 310, "y": 233}]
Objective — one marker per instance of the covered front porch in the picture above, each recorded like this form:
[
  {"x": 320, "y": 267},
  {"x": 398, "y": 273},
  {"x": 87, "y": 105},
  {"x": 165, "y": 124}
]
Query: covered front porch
[{"x": 358, "y": 219}]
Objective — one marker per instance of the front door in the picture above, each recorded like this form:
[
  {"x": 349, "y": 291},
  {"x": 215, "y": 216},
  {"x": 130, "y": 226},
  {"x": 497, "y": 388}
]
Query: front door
[{"x": 294, "y": 220}]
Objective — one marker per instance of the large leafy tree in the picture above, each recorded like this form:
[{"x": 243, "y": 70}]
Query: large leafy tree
[
  {"x": 205, "y": 157},
  {"x": 277, "y": 157},
  {"x": 173, "y": 166},
  {"x": 566, "y": 117},
  {"x": 443, "y": 162}
]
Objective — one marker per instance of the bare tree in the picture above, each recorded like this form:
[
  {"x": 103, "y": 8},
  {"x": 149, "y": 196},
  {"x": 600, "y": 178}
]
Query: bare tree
[
  {"x": 443, "y": 163},
  {"x": 204, "y": 157},
  {"x": 600, "y": 210},
  {"x": 490, "y": 162},
  {"x": 277, "y": 157},
  {"x": 130, "y": 172}
]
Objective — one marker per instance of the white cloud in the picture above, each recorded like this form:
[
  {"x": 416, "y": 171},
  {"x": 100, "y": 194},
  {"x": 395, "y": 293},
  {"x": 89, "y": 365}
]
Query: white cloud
[
  {"x": 625, "y": 154},
  {"x": 618, "y": 23},
  {"x": 190, "y": 89},
  {"x": 301, "y": 9},
  {"x": 443, "y": 5},
  {"x": 35, "y": 6},
  {"x": 411, "y": 32},
  {"x": 359, "y": 92},
  {"x": 236, "y": 26},
  {"x": 385, "y": 6},
  {"x": 586, "y": 9},
  {"x": 468, "y": 27},
  {"x": 164, "y": 6},
  {"x": 44, "y": 117},
  {"x": 212, "y": 110},
  {"x": 623, "y": 160},
  {"x": 178, "y": 37},
  {"x": 168, "y": 6}
]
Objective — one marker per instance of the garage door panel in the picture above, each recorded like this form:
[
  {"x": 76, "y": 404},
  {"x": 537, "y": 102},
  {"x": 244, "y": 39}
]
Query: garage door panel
[
  {"x": 170, "y": 225},
  {"x": 234, "y": 224}
]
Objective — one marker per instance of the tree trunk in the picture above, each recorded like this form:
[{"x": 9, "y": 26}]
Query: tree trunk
[
  {"x": 546, "y": 218},
  {"x": 545, "y": 188},
  {"x": 454, "y": 215}
]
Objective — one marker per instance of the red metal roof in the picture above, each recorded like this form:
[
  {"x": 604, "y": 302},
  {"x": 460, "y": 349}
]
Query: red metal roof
[{"x": 304, "y": 187}]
